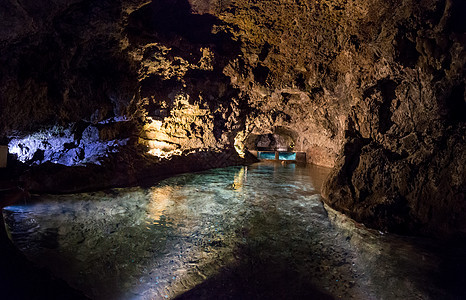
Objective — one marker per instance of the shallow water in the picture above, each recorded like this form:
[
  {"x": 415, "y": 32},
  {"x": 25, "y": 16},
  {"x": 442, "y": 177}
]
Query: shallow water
[{"x": 256, "y": 232}]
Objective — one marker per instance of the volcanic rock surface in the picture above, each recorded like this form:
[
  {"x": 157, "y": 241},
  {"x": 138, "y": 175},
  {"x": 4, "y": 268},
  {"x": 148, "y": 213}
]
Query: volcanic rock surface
[{"x": 374, "y": 89}]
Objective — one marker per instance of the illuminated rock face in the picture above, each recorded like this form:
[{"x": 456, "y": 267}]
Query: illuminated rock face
[
  {"x": 374, "y": 89},
  {"x": 79, "y": 144},
  {"x": 186, "y": 101}
]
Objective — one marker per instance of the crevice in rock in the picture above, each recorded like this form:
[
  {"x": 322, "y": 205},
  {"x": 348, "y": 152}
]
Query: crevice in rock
[
  {"x": 405, "y": 48},
  {"x": 387, "y": 88},
  {"x": 261, "y": 73},
  {"x": 456, "y": 105},
  {"x": 265, "y": 51}
]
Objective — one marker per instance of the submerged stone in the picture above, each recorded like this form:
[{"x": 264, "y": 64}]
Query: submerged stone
[{"x": 239, "y": 232}]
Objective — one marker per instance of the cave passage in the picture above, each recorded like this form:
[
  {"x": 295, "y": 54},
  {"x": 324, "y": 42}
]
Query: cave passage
[
  {"x": 256, "y": 232},
  {"x": 276, "y": 155}
]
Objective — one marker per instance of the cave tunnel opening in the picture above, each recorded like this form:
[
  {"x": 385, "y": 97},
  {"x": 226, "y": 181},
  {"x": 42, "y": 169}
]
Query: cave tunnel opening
[
  {"x": 280, "y": 139},
  {"x": 280, "y": 144}
]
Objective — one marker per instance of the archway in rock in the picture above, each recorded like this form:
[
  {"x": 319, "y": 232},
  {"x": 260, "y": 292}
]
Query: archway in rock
[
  {"x": 278, "y": 144},
  {"x": 280, "y": 139}
]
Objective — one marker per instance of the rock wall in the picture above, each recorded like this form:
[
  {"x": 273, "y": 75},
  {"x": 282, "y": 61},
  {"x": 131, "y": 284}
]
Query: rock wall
[
  {"x": 61, "y": 62},
  {"x": 381, "y": 83},
  {"x": 374, "y": 89},
  {"x": 185, "y": 100},
  {"x": 402, "y": 164}
]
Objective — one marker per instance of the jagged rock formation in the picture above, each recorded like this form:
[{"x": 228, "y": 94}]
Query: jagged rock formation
[
  {"x": 402, "y": 165},
  {"x": 385, "y": 80},
  {"x": 374, "y": 89},
  {"x": 61, "y": 62}
]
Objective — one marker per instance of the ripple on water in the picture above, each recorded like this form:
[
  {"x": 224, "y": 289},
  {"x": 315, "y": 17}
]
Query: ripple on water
[{"x": 238, "y": 233}]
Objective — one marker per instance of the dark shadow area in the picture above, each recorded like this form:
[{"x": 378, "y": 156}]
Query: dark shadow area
[
  {"x": 456, "y": 22},
  {"x": 387, "y": 88},
  {"x": 265, "y": 51},
  {"x": 268, "y": 263},
  {"x": 172, "y": 23},
  {"x": 160, "y": 93},
  {"x": 166, "y": 18},
  {"x": 66, "y": 71},
  {"x": 20, "y": 279},
  {"x": 256, "y": 280},
  {"x": 261, "y": 73},
  {"x": 405, "y": 49},
  {"x": 455, "y": 106},
  {"x": 451, "y": 275}
]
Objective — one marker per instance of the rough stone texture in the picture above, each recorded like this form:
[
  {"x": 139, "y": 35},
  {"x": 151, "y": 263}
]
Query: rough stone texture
[
  {"x": 79, "y": 144},
  {"x": 402, "y": 166},
  {"x": 126, "y": 168},
  {"x": 385, "y": 80},
  {"x": 374, "y": 88},
  {"x": 185, "y": 100},
  {"x": 61, "y": 63}
]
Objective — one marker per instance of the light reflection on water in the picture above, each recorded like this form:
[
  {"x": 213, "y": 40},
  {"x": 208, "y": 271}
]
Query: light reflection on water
[{"x": 261, "y": 229}]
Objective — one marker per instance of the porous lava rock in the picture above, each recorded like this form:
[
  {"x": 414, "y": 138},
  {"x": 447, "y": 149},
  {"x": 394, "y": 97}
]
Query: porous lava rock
[{"x": 374, "y": 89}]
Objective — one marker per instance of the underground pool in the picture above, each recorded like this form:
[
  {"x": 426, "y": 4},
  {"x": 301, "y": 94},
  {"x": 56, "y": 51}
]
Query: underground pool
[{"x": 250, "y": 232}]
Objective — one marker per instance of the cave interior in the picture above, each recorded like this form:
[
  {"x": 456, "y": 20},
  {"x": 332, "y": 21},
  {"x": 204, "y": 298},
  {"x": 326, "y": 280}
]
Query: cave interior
[{"x": 96, "y": 95}]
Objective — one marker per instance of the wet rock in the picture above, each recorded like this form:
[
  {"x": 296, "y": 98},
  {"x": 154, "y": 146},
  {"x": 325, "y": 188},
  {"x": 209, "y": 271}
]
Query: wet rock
[
  {"x": 77, "y": 144},
  {"x": 402, "y": 166},
  {"x": 124, "y": 168},
  {"x": 374, "y": 88}
]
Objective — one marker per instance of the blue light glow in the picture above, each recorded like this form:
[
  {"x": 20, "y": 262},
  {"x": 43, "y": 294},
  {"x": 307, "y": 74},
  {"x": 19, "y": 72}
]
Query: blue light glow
[
  {"x": 17, "y": 208},
  {"x": 266, "y": 155},
  {"x": 61, "y": 146},
  {"x": 287, "y": 156}
]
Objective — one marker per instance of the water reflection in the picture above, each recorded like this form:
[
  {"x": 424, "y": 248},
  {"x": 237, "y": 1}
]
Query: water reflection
[
  {"x": 252, "y": 232},
  {"x": 240, "y": 178}
]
